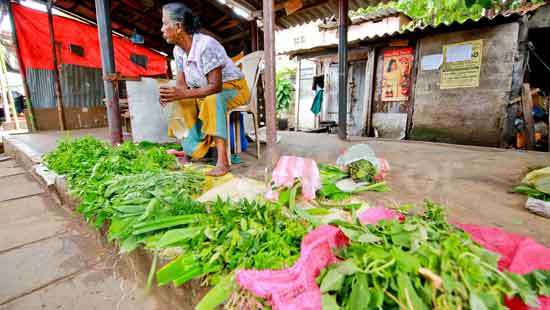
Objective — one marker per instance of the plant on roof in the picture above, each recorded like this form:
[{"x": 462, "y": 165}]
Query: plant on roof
[{"x": 435, "y": 12}]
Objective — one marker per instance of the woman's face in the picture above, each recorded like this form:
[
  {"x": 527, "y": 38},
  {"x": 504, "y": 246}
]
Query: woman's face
[
  {"x": 393, "y": 66},
  {"x": 169, "y": 29}
]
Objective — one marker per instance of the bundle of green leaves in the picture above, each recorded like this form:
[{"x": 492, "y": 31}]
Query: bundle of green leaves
[
  {"x": 422, "y": 263},
  {"x": 133, "y": 201},
  {"x": 89, "y": 164},
  {"x": 536, "y": 184},
  {"x": 246, "y": 234},
  {"x": 331, "y": 174}
]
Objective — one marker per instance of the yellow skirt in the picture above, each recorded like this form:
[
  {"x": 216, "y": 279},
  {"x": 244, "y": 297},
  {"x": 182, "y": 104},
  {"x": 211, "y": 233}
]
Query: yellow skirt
[{"x": 205, "y": 118}]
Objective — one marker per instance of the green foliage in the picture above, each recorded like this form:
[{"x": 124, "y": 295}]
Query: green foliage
[
  {"x": 90, "y": 164},
  {"x": 435, "y": 12},
  {"x": 246, "y": 234},
  {"x": 422, "y": 263},
  {"x": 284, "y": 90}
]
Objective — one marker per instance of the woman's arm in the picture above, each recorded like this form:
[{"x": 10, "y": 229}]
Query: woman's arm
[{"x": 182, "y": 91}]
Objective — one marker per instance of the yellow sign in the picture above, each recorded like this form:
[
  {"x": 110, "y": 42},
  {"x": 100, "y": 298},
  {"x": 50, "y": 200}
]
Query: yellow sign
[{"x": 461, "y": 64}]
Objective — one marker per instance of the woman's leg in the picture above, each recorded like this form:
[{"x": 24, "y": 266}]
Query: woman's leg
[{"x": 222, "y": 164}]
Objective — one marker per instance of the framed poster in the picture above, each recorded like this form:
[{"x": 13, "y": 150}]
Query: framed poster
[
  {"x": 396, "y": 77},
  {"x": 461, "y": 65}
]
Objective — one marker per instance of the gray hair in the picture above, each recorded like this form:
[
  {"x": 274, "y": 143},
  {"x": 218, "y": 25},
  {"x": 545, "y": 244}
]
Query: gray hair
[{"x": 179, "y": 13}]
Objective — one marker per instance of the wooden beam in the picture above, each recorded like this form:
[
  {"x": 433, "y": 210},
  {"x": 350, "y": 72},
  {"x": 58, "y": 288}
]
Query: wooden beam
[
  {"x": 527, "y": 106},
  {"x": 219, "y": 21},
  {"x": 254, "y": 35},
  {"x": 57, "y": 83},
  {"x": 269, "y": 75},
  {"x": 342, "y": 68},
  {"x": 231, "y": 24}
]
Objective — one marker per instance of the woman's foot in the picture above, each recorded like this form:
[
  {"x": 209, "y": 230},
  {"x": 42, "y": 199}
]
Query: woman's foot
[
  {"x": 183, "y": 160},
  {"x": 218, "y": 171}
]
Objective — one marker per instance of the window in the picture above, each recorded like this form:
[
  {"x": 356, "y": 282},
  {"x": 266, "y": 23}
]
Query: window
[
  {"x": 140, "y": 60},
  {"x": 76, "y": 49}
]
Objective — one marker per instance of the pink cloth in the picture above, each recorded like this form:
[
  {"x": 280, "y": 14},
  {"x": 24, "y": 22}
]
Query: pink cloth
[
  {"x": 290, "y": 168},
  {"x": 375, "y": 215},
  {"x": 519, "y": 255},
  {"x": 295, "y": 287}
]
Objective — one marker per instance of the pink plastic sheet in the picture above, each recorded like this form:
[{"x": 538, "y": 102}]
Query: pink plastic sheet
[
  {"x": 384, "y": 168},
  {"x": 519, "y": 255},
  {"x": 295, "y": 288},
  {"x": 290, "y": 168},
  {"x": 375, "y": 215}
]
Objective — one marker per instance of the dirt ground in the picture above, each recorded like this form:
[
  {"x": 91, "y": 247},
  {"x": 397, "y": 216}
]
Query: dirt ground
[{"x": 473, "y": 182}]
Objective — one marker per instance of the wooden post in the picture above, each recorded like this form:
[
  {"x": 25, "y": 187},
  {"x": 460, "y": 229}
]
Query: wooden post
[
  {"x": 369, "y": 86},
  {"x": 269, "y": 74},
  {"x": 254, "y": 35},
  {"x": 518, "y": 73},
  {"x": 26, "y": 90},
  {"x": 297, "y": 95},
  {"x": 527, "y": 105},
  {"x": 4, "y": 86},
  {"x": 103, "y": 13},
  {"x": 414, "y": 75},
  {"x": 58, "y": 93},
  {"x": 342, "y": 68}
]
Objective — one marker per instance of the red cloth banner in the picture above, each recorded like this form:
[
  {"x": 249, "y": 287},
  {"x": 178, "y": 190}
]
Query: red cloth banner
[{"x": 35, "y": 47}]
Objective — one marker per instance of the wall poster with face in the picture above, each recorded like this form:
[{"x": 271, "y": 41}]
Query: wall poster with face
[{"x": 396, "y": 78}]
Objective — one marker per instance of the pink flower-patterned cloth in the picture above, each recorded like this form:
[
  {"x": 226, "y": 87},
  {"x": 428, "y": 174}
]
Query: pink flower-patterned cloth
[
  {"x": 290, "y": 168},
  {"x": 295, "y": 287}
]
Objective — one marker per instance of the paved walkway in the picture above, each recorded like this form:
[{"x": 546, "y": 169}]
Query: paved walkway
[{"x": 49, "y": 259}]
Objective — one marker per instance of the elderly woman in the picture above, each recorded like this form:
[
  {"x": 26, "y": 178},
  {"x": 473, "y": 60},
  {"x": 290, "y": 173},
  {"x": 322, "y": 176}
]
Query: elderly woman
[{"x": 208, "y": 83}]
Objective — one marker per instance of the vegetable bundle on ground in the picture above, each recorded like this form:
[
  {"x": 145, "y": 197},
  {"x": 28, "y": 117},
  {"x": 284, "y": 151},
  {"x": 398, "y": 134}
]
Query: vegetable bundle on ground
[
  {"x": 421, "y": 263},
  {"x": 536, "y": 184},
  {"x": 130, "y": 189}
]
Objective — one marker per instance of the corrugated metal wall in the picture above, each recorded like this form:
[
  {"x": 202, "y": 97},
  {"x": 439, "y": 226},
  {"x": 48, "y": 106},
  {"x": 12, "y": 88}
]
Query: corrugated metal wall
[
  {"x": 42, "y": 88},
  {"x": 81, "y": 87}
]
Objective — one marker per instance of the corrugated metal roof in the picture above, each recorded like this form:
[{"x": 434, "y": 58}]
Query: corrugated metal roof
[
  {"x": 502, "y": 17},
  {"x": 315, "y": 10},
  {"x": 358, "y": 19},
  {"x": 379, "y": 14}
]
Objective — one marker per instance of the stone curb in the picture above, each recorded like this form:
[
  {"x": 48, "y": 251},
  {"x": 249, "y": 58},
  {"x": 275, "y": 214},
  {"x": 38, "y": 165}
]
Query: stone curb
[{"x": 184, "y": 297}]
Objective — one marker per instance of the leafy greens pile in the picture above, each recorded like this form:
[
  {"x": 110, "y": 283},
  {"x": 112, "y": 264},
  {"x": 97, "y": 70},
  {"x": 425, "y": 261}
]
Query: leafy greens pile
[
  {"x": 536, "y": 184},
  {"x": 131, "y": 189},
  {"x": 422, "y": 263},
  {"x": 90, "y": 164}
]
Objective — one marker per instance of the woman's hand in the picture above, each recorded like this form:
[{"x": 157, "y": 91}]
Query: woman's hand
[{"x": 169, "y": 94}]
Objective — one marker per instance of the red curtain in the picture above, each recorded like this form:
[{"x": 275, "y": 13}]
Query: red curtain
[{"x": 35, "y": 47}]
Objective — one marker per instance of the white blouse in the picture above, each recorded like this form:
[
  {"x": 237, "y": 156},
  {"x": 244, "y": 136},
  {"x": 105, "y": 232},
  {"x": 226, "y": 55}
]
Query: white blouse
[{"x": 206, "y": 54}]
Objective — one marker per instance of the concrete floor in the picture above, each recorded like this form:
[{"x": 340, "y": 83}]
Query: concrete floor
[
  {"x": 473, "y": 182},
  {"x": 49, "y": 259}
]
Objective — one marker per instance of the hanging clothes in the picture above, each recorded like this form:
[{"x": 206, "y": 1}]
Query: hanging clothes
[{"x": 318, "y": 87}]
